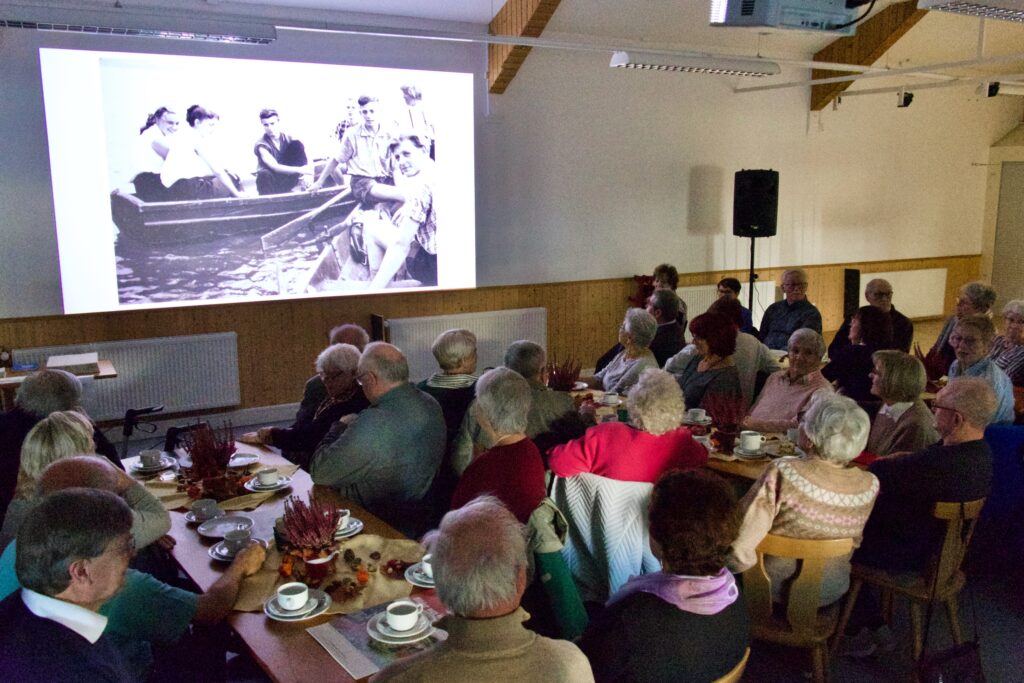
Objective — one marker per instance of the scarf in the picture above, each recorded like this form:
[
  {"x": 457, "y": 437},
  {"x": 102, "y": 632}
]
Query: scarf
[{"x": 696, "y": 594}]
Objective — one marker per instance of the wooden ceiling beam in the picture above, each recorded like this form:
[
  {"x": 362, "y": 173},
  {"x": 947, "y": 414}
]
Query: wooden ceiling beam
[
  {"x": 873, "y": 38},
  {"x": 516, "y": 18}
]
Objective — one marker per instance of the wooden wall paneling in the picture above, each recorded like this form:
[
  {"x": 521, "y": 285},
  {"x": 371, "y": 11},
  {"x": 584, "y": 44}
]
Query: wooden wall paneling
[{"x": 278, "y": 341}]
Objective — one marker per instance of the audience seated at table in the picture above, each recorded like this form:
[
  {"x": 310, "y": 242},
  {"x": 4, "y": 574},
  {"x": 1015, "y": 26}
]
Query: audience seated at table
[
  {"x": 821, "y": 495},
  {"x": 729, "y": 290},
  {"x": 971, "y": 338},
  {"x": 1008, "y": 348},
  {"x": 315, "y": 392},
  {"x": 879, "y": 294},
  {"x": 710, "y": 374},
  {"x": 902, "y": 535},
  {"x": 40, "y": 394},
  {"x": 336, "y": 368},
  {"x": 635, "y": 336},
  {"x": 73, "y": 550},
  {"x": 783, "y": 318},
  {"x": 480, "y": 566},
  {"x": 512, "y": 469},
  {"x": 752, "y": 358},
  {"x": 552, "y": 418},
  {"x": 974, "y": 298},
  {"x": 651, "y": 445},
  {"x": 145, "y": 611},
  {"x": 665, "y": 306},
  {"x": 687, "y": 622},
  {"x": 786, "y": 394},
  {"x": 385, "y": 458},
  {"x": 850, "y": 368},
  {"x": 904, "y": 423}
]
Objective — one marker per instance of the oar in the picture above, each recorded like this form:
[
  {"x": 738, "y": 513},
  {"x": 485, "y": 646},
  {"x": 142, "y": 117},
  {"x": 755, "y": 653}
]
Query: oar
[{"x": 288, "y": 230}]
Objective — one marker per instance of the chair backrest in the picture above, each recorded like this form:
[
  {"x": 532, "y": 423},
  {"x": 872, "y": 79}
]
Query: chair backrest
[
  {"x": 736, "y": 674},
  {"x": 804, "y": 586},
  {"x": 960, "y": 518}
]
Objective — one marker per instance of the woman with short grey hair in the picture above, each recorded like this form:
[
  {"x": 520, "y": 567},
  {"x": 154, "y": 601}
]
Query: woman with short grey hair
[
  {"x": 971, "y": 340},
  {"x": 904, "y": 423},
  {"x": 974, "y": 298},
  {"x": 452, "y": 387},
  {"x": 512, "y": 469},
  {"x": 1007, "y": 349},
  {"x": 635, "y": 335},
  {"x": 642, "y": 451},
  {"x": 820, "y": 495}
]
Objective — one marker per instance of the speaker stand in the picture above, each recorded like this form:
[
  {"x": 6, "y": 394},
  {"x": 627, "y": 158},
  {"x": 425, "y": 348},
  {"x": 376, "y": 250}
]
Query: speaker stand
[{"x": 752, "y": 277}]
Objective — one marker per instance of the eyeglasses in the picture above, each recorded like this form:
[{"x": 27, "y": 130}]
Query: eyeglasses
[
  {"x": 330, "y": 375},
  {"x": 794, "y": 285},
  {"x": 938, "y": 406},
  {"x": 882, "y": 295},
  {"x": 360, "y": 376},
  {"x": 969, "y": 341}
]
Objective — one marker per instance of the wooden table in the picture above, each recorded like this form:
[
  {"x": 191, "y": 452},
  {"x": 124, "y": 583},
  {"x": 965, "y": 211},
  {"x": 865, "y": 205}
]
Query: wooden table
[
  {"x": 747, "y": 469},
  {"x": 13, "y": 378},
  {"x": 284, "y": 650}
]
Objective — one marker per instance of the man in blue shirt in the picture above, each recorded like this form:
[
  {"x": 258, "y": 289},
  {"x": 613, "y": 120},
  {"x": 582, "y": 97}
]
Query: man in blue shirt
[{"x": 794, "y": 312}]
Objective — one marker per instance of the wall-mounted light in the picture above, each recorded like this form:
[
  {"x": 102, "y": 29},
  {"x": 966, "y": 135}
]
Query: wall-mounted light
[{"x": 709, "y": 64}]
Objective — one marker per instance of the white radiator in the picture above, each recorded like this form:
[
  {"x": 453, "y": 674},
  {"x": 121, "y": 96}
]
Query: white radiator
[
  {"x": 185, "y": 373},
  {"x": 916, "y": 293},
  {"x": 698, "y": 298},
  {"x": 494, "y": 331}
]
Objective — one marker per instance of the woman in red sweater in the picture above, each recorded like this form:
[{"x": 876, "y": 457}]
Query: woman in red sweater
[
  {"x": 653, "y": 444},
  {"x": 512, "y": 470}
]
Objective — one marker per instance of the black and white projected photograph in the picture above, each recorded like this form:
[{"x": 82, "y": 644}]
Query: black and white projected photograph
[{"x": 184, "y": 180}]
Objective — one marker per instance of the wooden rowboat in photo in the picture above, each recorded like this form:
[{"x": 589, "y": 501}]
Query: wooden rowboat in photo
[{"x": 157, "y": 223}]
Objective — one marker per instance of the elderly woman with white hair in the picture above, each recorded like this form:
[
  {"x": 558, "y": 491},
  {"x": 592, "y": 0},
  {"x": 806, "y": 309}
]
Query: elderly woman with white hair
[
  {"x": 818, "y": 496},
  {"x": 787, "y": 393},
  {"x": 512, "y": 469},
  {"x": 641, "y": 451},
  {"x": 1007, "y": 349},
  {"x": 635, "y": 334},
  {"x": 336, "y": 366},
  {"x": 455, "y": 351},
  {"x": 904, "y": 423},
  {"x": 971, "y": 340}
]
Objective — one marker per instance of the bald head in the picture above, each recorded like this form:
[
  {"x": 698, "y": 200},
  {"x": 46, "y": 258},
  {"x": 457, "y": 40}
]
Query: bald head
[
  {"x": 79, "y": 471},
  {"x": 382, "y": 367},
  {"x": 878, "y": 292}
]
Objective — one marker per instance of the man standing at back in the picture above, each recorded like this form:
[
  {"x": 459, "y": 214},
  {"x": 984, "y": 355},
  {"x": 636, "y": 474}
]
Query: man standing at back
[
  {"x": 479, "y": 561},
  {"x": 878, "y": 292},
  {"x": 73, "y": 551},
  {"x": 794, "y": 312},
  {"x": 385, "y": 458}
]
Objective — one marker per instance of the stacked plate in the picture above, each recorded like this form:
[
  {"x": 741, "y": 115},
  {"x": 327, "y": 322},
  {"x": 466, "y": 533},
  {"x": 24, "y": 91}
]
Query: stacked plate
[
  {"x": 744, "y": 454},
  {"x": 218, "y": 526},
  {"x": 255, "y": 486},
  {"x": 353, "y": 527},
  {"x": 378, "y": 629},
  {"x": 243, "y": 459},
  {"x": 166, "y": 462},
  {"x": 317, "y": 604},
  {"x": 415, "y": 575}
]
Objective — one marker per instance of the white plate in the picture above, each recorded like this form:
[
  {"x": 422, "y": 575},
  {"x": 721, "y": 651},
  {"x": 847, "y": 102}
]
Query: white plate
[
  {"x": 580, "y": 386},
  {"x": 353, "y": 528},
  {"x": 274, "y": 607},
  {"x": 220, "y": 552},
  {"x": 166, "y": 462},
  {"x": 375, "y": 633},
  {"x": 190, "y": 516},
  {"x": 323, "y": 603},
  {"x": 254, "y": 485},
  {"x": 697, "y": 423},
  {"x": 414, "y": 575},
  {"x": 773, "y": 450},
  {"x": 743, "y": 453},
  {"x": 243, "y": 459},
  {"x": 218, "y": 526}
]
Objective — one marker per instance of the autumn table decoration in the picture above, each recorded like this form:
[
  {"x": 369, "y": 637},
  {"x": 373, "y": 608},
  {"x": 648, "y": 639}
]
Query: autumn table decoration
[
  {"x": 562, "y": 376},
  {"x": 726, "y": 411},
  {"x": 209, "y": 476},
  {"x": 306, "y": 539}
]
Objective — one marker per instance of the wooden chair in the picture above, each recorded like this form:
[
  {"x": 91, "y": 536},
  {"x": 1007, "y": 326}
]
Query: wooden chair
[
  {"x": 803, "y": 624},
  {"x": 943, "y": 572},
  {"x": 736, "y": 674}
]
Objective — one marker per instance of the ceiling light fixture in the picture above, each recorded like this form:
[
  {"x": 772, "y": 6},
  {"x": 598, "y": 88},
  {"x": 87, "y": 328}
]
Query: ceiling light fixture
[{"x": 726, "y": 66}]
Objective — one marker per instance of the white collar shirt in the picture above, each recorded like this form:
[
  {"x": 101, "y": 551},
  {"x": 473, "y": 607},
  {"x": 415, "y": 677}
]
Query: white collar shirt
[{"x": 86, "y": 623}]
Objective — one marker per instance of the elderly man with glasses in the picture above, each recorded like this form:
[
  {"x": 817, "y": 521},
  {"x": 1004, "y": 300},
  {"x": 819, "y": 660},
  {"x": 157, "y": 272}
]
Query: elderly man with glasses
[
  {"x": 794, "y": 312},
  {"x": 878, "y": 293}
]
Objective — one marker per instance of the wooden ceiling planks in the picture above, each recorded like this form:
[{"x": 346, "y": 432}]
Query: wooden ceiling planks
[{"x": 516, "y": 18}]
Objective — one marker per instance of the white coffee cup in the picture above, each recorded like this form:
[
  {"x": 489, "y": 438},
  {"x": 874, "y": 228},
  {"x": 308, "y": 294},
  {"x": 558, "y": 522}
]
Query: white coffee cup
[
  {"x": 204, "y": 509},
  {"x": 345, "y": 516},
  {"x": 236, "y": 539},
  {"x": 610, "y": 399},
  {"x": 292, "y": 596},
  {"x": 402, "y": 615},
  {"x": 751, "y": 441},
  {"x": 426, "y": 567},
  {"x": 696, "y": 415},
  {"x": 150, "y": 458},
  {"x": 267, "y": 477}
]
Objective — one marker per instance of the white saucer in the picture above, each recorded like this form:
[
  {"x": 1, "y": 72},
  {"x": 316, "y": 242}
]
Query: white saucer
[
  {"x": 166, "y": 462},
  {"x": 254, "y": 485},
  {"x": 218, "y": 526},
  {"x": 373, "y": 629},
  {"x": 353, "y": 528},
  {"x": 220, "y": 552},
  {"x": 751, "y": 455},
  {"x": 414, "y": 575},
  {"x": 321, "y": 602},
  {"x": 422, "y": 624},
  {"x": 697, "y": 423},
  {"x": 274, "y": 607},
  {"x": 580, "y": 386},
  {"x": 190, "y": 516},
  {"x": 243, "y": 459}
]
